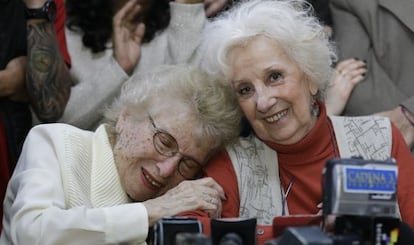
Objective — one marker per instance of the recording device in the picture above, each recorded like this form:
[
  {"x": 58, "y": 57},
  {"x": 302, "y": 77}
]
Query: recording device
[
  {"x": 362, "y": 195},
  {"x": 313, "y": 235},
  {"x": 167, "y": 229},
  {"x": 188, "y": 238},
  {"x": 233, "y": 231},
  {"x": 281, "y": 223},
  {"x": 300, "y": 235},
  {"x": 188, "y": 231},
  {"x": 360, "y": 187}
]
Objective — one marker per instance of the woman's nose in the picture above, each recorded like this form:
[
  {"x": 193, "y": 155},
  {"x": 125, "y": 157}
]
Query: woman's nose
[
  {"x": 265, "y": 99},
  {"x": 168, "y": 165}
]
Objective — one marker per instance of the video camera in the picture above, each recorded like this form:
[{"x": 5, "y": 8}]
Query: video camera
[
  {"x": 188, "y": 231},
  {"x": 362, "y": 196},
  {"x": 360, "y": 187},
  {"x": 168, "y": 229}
]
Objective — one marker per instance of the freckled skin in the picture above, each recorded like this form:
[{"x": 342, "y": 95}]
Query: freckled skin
[{"x": 134, "y": 151}]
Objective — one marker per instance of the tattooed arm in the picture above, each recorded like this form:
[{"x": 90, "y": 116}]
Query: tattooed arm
[{"x": 48, "y": 80}]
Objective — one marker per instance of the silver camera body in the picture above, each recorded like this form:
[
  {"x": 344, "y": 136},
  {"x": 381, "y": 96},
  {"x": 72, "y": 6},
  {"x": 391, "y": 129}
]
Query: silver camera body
[{"x": 358, "y": 187}]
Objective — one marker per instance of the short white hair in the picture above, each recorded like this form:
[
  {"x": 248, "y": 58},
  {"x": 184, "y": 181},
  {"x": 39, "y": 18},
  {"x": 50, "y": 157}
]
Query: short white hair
[
  {"x": 290, "y": 23},
  {"x": 190, "y": 90}
]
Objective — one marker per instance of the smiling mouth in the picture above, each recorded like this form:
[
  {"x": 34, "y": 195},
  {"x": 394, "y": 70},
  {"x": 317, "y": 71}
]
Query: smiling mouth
[
  {"x": 277, "y": 116},
  {"x": 154, "y": 184}
]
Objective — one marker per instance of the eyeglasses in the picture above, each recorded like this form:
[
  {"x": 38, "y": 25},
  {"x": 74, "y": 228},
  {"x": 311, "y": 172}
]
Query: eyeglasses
[{"x": 166, "y": 145}]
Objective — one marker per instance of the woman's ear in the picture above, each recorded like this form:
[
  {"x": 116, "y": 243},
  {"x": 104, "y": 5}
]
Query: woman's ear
[{"x": 313, "y": 88}]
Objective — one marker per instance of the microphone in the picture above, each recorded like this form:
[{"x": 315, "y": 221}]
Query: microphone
[{"x": 233, "y": 231}]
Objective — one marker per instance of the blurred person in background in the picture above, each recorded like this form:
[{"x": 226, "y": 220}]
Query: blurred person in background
[
  {"x": 126, "y": 37},
  {"x": 34, "y": 72},
  {"x": 380, "y": 32}
]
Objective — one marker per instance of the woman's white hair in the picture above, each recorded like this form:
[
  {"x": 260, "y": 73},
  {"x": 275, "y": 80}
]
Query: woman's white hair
[
  {"x": 291, "y": 23},
  {"x": 188, "y": 90}
]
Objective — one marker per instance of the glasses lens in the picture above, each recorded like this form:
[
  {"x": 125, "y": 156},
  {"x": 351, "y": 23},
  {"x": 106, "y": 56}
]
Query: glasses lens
[
  {"x": 189, "y": 168},
  {"x": 165, "y": 144}
]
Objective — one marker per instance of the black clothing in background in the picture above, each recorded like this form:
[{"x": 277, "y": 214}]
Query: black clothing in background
[
  {"x": 322, "y": 11},
  {"x": 13, "y": 39}
]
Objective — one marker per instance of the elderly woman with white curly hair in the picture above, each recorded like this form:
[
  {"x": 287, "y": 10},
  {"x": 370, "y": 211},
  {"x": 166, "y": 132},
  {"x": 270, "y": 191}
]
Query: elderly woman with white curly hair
[
  {"x": 73, "y": 186},
  {"x": 277, "y": 58}
]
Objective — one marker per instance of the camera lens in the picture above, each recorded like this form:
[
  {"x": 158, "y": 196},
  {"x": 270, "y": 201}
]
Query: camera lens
[
  {"x": 187, "y": 238},
  {"x": 231, "y": 239}
]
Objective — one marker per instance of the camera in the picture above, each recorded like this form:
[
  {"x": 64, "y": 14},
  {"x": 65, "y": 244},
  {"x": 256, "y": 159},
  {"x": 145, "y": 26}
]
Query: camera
[
  {"x": 301, "y": 235},
  {"x": 233, "y": 231},
  {"x": 188, "y": 231},
  {"x": 168, "y": 229},
  {"x": 360, "y": 187},
  {"x": 189, "y": 238},
  {"x": 362, "y": 195}
]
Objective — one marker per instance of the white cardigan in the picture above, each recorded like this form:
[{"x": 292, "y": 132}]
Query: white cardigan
[
  {"x": 99, "y": 78},
  {"x": 56, "y": 196}
]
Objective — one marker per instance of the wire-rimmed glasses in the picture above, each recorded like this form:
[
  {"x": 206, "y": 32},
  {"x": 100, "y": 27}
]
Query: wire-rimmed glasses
[{"x": 166, "y": 145}]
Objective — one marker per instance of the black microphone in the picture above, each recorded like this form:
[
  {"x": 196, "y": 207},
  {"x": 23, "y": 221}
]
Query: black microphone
[
  {"x": 231, "y": 239},
  {"x": 406, "y": 236},
  {"x": 313, "y": 235},
  {"x": 233, "y": 231}
]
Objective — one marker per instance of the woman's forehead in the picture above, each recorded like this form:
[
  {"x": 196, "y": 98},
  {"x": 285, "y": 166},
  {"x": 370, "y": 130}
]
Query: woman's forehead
[{"x": 175, "y": 120}]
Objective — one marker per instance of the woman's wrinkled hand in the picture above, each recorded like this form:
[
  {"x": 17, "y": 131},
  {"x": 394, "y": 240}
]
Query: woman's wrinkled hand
[
  {"x": 202, "y": 194},
  {"x": 348, "y": 73}
]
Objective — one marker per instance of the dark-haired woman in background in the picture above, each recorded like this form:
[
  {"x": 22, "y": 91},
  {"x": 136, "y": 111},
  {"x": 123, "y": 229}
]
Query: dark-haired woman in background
[
  {"x": 109, "y": 40},
  {"x": 94, "y": 20}
]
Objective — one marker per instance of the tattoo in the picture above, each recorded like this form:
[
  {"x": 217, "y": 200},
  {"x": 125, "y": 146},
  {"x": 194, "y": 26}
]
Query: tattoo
[{"x": 48, "y": 80}]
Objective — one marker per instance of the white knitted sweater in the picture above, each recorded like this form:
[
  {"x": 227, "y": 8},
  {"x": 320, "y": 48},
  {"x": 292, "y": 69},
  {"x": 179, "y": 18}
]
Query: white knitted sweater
[{"x": 56, "y": 196}]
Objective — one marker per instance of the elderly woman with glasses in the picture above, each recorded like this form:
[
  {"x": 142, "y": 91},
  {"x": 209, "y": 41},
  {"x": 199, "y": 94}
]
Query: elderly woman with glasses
[
  {"x": 277, "y": 57},
  {"x": 109, "y": 186}
]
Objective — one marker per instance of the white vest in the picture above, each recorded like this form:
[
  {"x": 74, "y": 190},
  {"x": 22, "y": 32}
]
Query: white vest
[{"x": 257, "y": 170}]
